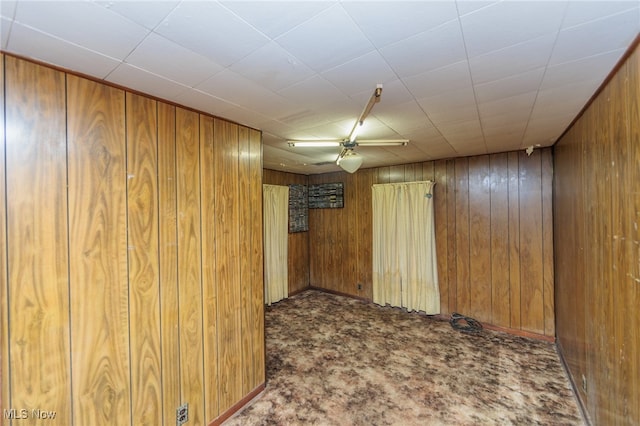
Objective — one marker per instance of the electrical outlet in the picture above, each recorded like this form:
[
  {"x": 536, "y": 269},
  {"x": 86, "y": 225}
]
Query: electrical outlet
[
  {"x": 584, "y": 383},
  {"x": 182, "y": 414},
  {"x": 359, "y": 286}
]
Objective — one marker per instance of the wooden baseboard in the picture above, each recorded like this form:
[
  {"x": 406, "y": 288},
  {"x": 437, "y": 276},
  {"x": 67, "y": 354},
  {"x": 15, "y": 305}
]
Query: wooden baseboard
[
  {"x": 338, "y": 293},
  {"x": 238, "y": 406}
]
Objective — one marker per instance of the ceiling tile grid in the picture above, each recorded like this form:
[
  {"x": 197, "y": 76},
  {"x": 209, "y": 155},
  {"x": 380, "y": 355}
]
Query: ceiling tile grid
[{"x": 459, "y": 77}]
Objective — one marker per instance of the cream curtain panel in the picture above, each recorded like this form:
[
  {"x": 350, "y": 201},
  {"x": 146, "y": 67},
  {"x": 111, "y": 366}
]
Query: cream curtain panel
[
  {"x": 405, "y": 272},
  {"x": 276, "y": 234}
]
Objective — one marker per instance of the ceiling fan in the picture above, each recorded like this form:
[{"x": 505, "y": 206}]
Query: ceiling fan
[{"x": 348, "y": 159}]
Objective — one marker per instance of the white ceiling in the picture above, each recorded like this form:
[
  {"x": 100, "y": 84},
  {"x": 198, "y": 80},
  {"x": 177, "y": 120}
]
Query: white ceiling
[{"x": 460, "y": 77}]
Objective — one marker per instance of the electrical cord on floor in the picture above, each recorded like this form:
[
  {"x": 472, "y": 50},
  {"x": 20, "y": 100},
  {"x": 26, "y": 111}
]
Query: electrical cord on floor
[{"x": 465, "y": 324}]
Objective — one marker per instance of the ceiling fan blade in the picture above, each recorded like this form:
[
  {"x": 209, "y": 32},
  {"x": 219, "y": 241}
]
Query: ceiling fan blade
[
  {"x": 314, "y": 144},
  {"x": 374, "y": 99},
  {"x": 383, "y": 142}
]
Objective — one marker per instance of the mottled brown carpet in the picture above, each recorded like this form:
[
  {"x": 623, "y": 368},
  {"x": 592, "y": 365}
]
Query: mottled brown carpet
[{"x": 333, "y": 360}]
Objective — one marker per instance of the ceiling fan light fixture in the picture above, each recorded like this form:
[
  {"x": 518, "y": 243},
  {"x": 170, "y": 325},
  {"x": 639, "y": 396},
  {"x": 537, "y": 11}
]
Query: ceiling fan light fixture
[
  {"x": 349, "y": 161},
  {"x": 313, "y": 144},
  {"x": 375, "y": 98},
  {"x": 384, "y": 142},
  {"x": 354, "y": 132}
]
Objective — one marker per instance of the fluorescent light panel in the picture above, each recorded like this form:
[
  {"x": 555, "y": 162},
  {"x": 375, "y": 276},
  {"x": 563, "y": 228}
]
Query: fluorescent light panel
[
  {"x": 307, "y": 144},
  {"x": 383, "y": 142}
]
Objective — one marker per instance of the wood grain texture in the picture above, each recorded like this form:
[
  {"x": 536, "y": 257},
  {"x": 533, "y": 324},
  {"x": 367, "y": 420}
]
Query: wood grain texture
[
  {"x": 451, "y": 250},
  {"x": 98, "y": 253},
  {"x": 478, "y": 205},
  {"x": 168, "y": 262},
  {"x": 38, "y": 283},
  {"x": 114, "y": 197},
  {"x": 531, "y": 302},
  {"x": 597, "y": 259},
  {"x": 631, "y": 294},
  {"x": 364, "y": 234},
  {"x": 515, "y": 290},
  {"x": 209, "y": 279},
  {"x": 189, "y": 263},
  {"x": 547, "y": 243},
  {"x": 144, "y": 275},
  {"x": 4, "y": 285},
  {"x": 257, "y": 254},
  {"x": 480, "y": 304},
  {"x": 462, "y": 216},
  {"x": 244, "y": 220},
  {"x": 442, "y": 239},
  {"x": 499, "y": 186},
  {"x": 227, "y": 263}
]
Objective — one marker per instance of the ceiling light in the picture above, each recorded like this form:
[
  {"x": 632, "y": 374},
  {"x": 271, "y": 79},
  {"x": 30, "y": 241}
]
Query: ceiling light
[
  {"x": 303, "y": 144},
  {"x": 349, "y": 160},
  {"x": 375, "y": 98},
  {"x": 383, "y": 142}
]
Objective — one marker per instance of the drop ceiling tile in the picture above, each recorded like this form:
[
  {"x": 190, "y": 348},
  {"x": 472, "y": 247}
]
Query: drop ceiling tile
[
  {"x": 509, "y": 130},
  {"x": 185, "y": 67},
  {"x": 460, "y": 130},
  {"x": 314, "y": 92},
  {"x": 326, "y": 41},
  {"x": 580, "y": 70},
  {"x": 506, "y": 23},
  {"x": 611, "y": 33},
  {"x": 426, "y": 134},
  {"x": 5, "y": 28},
  {"x": 85, "y": 24},
  {"x": 332, "y": 130},
  {"x": 566, "y": 99},
  {"x": 437, "y": 82},
  {"x": 512, "y": 60},
  {"x": 450, "y": 107},
  {"x": 466, "y": 7},
  {"x": 513, "y": 110},
  {"x": 129, "y": 76},
  {"x": 504, "y": 143},
  {"x": 360, "y": 74},
  {"x": 302, "y": 119},
  {"x": 429, "y": 50},
  {"x": 8, "y": 8},
  {"x": 279, "y": 17},
  {"x": 406, "y": 117},
  {"x": 545, "y": 130},
  {"x": 389, "y": 22},
  {"x": 508, "y": 87},
  {"x": 272, "y": 67},
  {"x": 203, "y": 102},
  {"x": 437, "y": 150},
  {"x": 238, "y": 90},
  {"x": 244, "y": 116},
  {"x": 33, "y": 44},
  {"x": 140, "y": 12},
  {"x": 212, "y": 31},
  {"x": 580, "y": 12}
]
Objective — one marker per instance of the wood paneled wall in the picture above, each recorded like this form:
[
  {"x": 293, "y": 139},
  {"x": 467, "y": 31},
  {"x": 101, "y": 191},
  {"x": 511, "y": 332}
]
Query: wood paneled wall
[
  {"x": 132, "y": 268},
  {"x": 494, "y": 236},
  {"x": 298, "y": 263},
  {"x": 597, "y": 221}
]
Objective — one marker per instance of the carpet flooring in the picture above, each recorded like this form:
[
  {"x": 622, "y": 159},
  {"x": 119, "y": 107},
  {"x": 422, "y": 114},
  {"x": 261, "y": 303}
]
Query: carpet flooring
[{"x": 334, "y": 360}]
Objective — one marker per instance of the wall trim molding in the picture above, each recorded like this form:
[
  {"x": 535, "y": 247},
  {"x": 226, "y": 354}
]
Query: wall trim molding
[{"x": 238, "y": 405}]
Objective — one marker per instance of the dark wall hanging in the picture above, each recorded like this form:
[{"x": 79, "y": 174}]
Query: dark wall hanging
[
  {"x": 326, "y": 196},
  {"x": 298, "y": 208}
]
